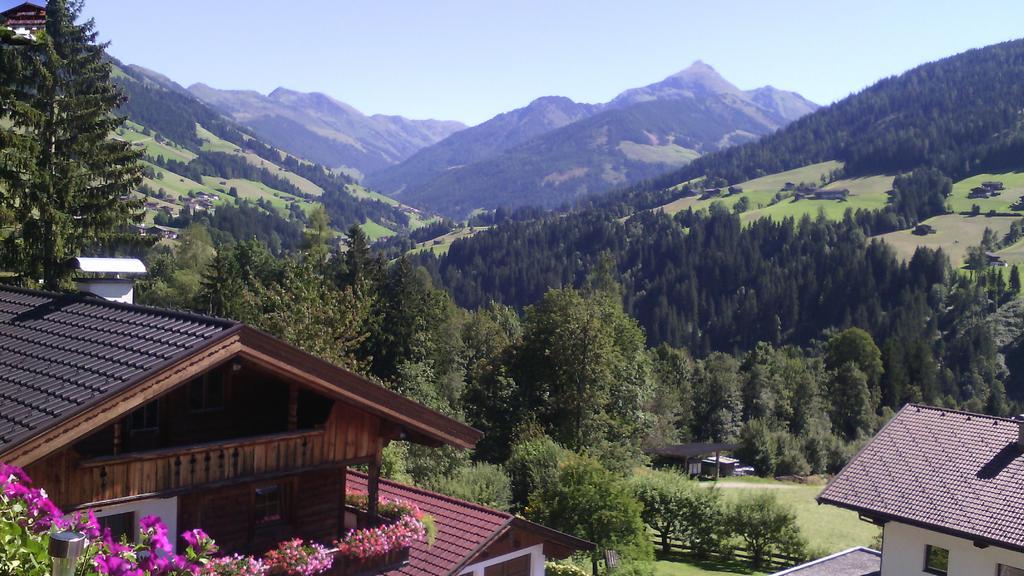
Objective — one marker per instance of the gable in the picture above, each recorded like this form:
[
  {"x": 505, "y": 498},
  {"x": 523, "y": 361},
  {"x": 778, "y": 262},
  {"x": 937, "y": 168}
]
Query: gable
[
  {"x": 71, "y": 364},
  {"x": 948, "y": 471}
]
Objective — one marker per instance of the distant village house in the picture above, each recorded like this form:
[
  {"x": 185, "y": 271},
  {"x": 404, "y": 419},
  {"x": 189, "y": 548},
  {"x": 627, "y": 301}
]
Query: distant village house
[{"x": 25, "y": 19}]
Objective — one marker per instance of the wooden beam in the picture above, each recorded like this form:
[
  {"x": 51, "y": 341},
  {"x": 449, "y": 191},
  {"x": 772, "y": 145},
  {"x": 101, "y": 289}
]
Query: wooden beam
[
  {"x": 373, "y": 482},
  {"x": 117, "y": 437},
  {"x": 293, "y": 406}
]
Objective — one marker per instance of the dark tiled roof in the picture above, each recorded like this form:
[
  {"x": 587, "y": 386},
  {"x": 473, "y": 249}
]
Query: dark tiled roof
[
  {"x": 461, "y": 526},
  {"x": 60, "y": 353},
  {"x": 943, "y": 470},
  {"x": 692, "y": 450},
  {"x": 858, "y": 561}
]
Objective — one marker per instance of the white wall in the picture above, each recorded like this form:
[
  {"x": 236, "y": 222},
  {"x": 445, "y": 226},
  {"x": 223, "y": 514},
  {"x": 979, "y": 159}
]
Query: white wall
[
  {"x": 165, "y": 508},
  {"x": 536, "y": 561},
  {"x": 903, "y": 553}
]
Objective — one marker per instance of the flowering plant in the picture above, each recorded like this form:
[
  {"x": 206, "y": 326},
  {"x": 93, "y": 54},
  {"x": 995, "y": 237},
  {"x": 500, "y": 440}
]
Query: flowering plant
[
  {"x": 28, "y": 517},
  {"x": 234, "y": 565},
  {"x": 294, "y": 558},
  {"x": 409, "y": 526}
]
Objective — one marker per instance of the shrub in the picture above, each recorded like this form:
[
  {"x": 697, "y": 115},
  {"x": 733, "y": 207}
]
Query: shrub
[
  {"x": 766, "y": 527},
  {"x": 533, "y": 465},
  {"x": 592, "y": 503},
  {"x": 483, "y": 483},
  {"x": 563, "y": 569}
]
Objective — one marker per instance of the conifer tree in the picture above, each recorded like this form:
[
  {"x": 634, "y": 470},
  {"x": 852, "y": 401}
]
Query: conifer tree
[{"x": 70, "y": 190}]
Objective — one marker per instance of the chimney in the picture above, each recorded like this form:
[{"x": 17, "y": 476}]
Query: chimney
[
  {"x": 1020, "y": 430},
  {"x": 109, "y": 278}
]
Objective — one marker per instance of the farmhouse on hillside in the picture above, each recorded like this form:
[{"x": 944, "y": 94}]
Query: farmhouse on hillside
[
  {"x": 25, "y": 18},
  {"x": 131, "y": 411},
  {"x": 945, "y": 487}
]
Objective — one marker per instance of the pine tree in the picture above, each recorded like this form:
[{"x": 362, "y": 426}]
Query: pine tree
[{"x": 71, "y": 193}]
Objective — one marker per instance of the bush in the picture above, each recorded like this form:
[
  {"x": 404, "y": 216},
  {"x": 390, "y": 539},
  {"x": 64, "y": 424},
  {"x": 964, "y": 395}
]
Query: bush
[
  {"x": 563, "y": 569},
  {"x": 678, "y": 508},
  {"x": 533, "y": 465},
  {"x": 483, "y": 483},
  {"x": 590, "y": 502},
  {"x": 766, "y": 527}
]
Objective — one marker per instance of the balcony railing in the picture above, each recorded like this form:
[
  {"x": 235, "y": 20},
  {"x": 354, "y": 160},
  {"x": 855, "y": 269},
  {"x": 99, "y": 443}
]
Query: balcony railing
[{"x": 169, "y": 469}]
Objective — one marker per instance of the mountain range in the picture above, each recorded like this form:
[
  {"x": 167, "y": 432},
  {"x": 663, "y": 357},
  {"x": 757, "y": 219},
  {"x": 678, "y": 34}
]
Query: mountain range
[
  {"x": 551, "y": 152},
  {"x": 556, "y": 151},
  {"x": 325, "y": 130}
]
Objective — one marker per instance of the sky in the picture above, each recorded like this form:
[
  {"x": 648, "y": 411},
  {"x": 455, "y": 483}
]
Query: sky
[{"x": 468, "y": 60}]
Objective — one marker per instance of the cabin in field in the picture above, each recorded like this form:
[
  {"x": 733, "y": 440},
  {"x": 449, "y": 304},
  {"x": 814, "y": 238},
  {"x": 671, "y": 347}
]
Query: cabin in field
[
  {"x": 25, "y": 18},
  {"x": 945, "y": 487},
  {"x": 994, "y": 259},
  {"x": 131, "y": 411},
  {"x": 698, "y": 458},
  {"x": 836, "y": 194}
]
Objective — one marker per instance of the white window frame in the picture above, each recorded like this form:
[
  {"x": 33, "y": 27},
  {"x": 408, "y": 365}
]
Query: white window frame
[
  {"x": 165, "y": 508},
  {"x": 537, "y": 560}
]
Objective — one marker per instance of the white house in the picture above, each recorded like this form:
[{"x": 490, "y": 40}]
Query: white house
[{"x": 947, "y": 487}]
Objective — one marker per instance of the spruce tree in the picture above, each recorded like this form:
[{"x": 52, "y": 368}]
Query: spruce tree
[{"x": 70, "y": 193}]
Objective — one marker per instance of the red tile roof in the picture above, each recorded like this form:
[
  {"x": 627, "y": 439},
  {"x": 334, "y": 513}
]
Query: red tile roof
[
  {"x": 948, "y": 471},
  {"x": 462, "y": 527}
]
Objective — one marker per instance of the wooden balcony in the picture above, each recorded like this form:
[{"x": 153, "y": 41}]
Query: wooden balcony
[{"x": 168, "y": 470}]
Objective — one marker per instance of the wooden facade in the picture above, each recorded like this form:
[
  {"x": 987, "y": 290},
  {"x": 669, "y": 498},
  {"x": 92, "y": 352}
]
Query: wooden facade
[{"x": 265, "y": 431}]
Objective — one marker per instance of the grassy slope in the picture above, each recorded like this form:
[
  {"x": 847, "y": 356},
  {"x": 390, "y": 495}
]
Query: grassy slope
[
  {"x": 760, "y": 190},
  {"x": 132, "y": 132},
  {"x": 828, "y": 529},
  {"x": 1014, "y": 182},
  {"x": 441, "y": 244},
  {"x": 416, "y": 218},
  {"x": 954, "y": 234},
  {"x": 375, "y": 230}
]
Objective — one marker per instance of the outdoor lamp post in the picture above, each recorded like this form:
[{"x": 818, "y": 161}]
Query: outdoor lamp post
[{"x": 65, "y": 548}]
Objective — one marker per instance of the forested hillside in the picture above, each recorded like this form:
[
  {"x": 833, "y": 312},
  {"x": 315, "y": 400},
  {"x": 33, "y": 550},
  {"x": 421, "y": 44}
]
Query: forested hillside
[
  {"x": 712, "y": 280},
  {"x": 962, "y": 115},
  {"x": 192, "y": 149}
]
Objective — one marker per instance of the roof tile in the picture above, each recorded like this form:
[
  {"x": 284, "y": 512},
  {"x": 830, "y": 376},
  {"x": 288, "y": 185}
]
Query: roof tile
[
  {"x": 59, "y": 352},
  {"x": 950, "y": 471}
]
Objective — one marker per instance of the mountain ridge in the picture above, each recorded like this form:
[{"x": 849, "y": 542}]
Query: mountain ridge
[
  {"x": 324, "y": 129},
  {"x": 544, "y": 164}
]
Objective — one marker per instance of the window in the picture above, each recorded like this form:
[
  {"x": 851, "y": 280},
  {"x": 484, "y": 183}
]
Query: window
[
  {"x": 518, "y": 566},
  {"x": 268, "y": 505},
  {"x": 1005, "y": 570},
  {"x": 936, "y": 560},
  {"x": 122, "y": 526},
  {"x": 146, "y": 418},
  {"x": 206, "y": 393}
]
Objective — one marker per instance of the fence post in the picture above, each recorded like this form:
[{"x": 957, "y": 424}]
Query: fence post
[{"x": 64, "y": 550}]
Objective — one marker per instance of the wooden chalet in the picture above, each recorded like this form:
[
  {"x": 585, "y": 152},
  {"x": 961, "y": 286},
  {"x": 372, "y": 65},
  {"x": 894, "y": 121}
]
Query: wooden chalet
[
  {"x": 26, "y": 16},
  {"x": 130, "y": 411}
]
